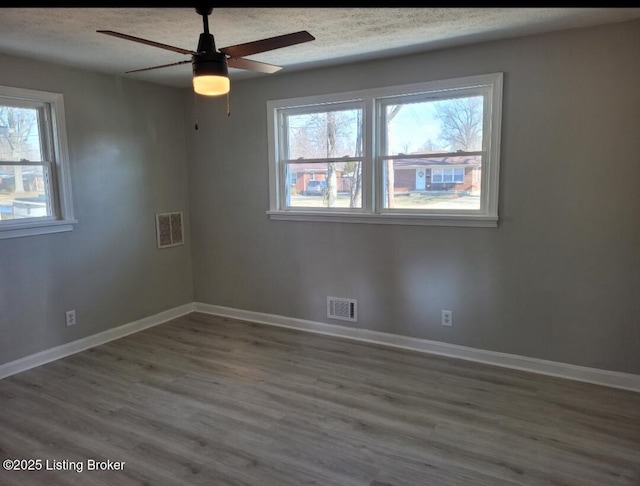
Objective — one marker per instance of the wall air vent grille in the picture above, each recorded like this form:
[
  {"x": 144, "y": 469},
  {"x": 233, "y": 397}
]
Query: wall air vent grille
[
  {"x": 342, "y": 309},
  {"x": 169, "y": 229}
]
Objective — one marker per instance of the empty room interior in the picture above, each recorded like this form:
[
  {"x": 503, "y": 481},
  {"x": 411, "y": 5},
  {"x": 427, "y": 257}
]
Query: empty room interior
[{"x": 331, "y": 246}]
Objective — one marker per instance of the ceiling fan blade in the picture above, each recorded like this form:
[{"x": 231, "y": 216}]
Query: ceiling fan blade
[
  {"x": 241, "y": 50},
  {"x": 145, "y": 41},
  {"x": 158, "y": 67},
  {"x": 261, "y": 67}
]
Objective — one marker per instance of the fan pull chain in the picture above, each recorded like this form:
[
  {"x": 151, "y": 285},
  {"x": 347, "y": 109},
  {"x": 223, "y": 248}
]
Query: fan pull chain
[
  {"x": 195, "y": 107},
  {"x": 228, "y": 105}
]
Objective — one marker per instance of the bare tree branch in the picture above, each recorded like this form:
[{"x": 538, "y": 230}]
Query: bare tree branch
[{"x": 461, "y": 122}]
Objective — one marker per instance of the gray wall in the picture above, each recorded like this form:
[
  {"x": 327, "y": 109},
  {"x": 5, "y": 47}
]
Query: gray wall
[
  {"x": 127, "y": 151},
  {"x": 559, "y": 278}
]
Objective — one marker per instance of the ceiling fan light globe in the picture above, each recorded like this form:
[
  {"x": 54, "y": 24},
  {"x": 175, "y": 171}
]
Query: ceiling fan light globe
[
  {"x": 211, "y": 85},
  {"x": 210, "y": 74}
]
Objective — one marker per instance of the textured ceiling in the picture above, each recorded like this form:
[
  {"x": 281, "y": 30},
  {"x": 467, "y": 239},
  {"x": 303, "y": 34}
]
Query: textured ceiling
[{"x": 68, "y": 35}]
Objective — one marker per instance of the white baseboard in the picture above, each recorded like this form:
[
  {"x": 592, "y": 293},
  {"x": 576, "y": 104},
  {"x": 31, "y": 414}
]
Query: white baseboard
[
  {"x": 73, "y": 347},
  {"x": 596, "y": 376}
]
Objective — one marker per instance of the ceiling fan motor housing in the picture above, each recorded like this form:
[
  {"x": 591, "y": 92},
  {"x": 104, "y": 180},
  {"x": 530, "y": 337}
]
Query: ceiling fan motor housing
[
  {"x": 206, "y": 43},
  {"x": 210, "y": 64}
]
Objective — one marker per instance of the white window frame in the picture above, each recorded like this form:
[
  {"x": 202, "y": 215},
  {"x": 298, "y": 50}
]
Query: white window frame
[
  {"x": 372, "y": 211},
  {"x": 61, "y": 200},
  {"x": 284, "y": 194}
]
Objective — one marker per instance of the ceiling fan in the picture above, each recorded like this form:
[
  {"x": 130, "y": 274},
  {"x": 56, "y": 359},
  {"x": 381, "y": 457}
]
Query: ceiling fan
[{"x": 210, "y": 66}]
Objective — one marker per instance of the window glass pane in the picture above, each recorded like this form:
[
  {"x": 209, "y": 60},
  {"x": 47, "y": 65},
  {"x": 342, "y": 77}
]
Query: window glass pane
[
  {"x": 426, "y": 184},
  {"x": 434, "y": 126},
  {"x": 19, "y": 134},
  {"x": 23, "y": 192},
  {"x": 336, "y": 185},
  {"x": 325, "y": 134}
]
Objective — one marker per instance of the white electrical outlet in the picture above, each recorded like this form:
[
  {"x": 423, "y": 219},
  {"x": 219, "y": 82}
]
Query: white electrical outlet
[
  {"x": 71, "y": 318},
  {"x": 447, "y": 318}
]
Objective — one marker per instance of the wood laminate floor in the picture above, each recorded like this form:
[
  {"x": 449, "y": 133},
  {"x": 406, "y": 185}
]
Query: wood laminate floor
[{"x": 203, "y": 400}]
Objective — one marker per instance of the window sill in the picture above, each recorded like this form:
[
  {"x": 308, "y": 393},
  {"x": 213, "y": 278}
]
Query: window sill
[
  {"x": 17, "y": 230},
  {"x": 398, "y": 218}
]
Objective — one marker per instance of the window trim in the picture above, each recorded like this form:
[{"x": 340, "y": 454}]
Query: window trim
[
  {"x": 372, "y": 211},
  {"x": 61, "y": 197}
]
